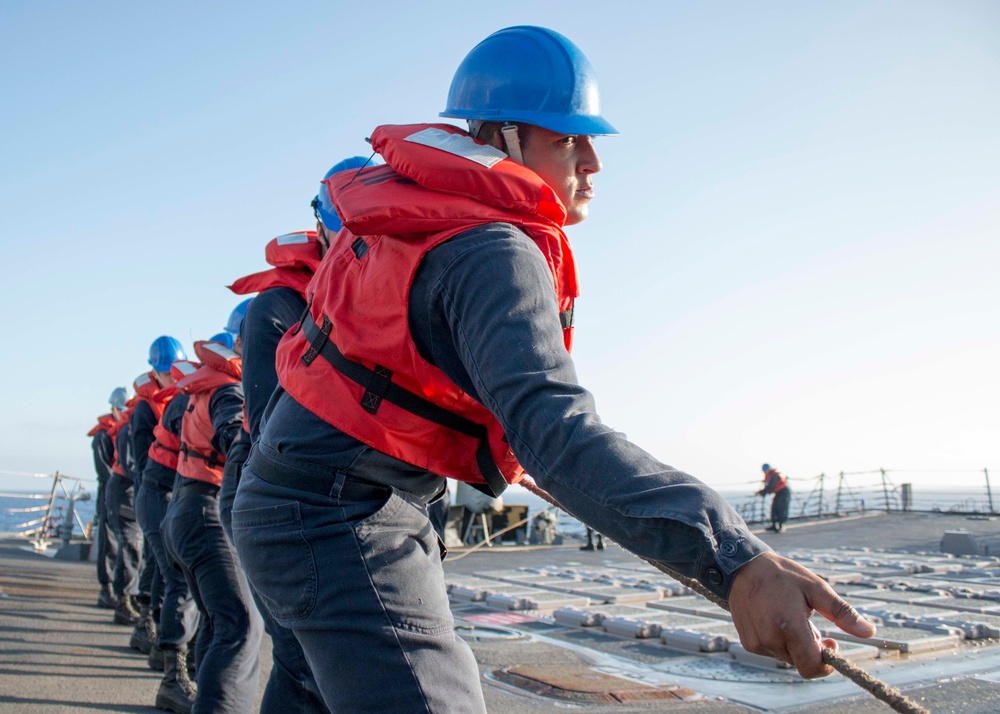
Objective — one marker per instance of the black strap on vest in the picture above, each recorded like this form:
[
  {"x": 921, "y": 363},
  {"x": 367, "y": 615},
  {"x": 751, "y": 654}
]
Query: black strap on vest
[
  {"x": 379, "y": 386},
  {"x": 212, "y": 460},
  {"x": 163, "y": 446},
  {"x": 304, "y": 315}
]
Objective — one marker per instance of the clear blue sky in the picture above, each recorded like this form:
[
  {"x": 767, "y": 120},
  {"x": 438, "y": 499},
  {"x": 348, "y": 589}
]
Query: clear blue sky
[{"x": 792, "y": 256}]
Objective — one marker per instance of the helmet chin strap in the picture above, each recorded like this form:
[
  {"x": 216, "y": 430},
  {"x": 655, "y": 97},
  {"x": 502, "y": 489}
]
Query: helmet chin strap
[
  {"x": 511, "y": 139},
  {"x": 512, "y": 142}
]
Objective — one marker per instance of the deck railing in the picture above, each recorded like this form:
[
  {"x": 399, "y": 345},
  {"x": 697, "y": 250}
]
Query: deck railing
[
  {"x": 966, "y": 491},
  {"x": 52, "y": 516}
]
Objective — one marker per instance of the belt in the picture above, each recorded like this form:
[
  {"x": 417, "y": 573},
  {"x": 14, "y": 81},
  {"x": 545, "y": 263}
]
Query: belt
[
  {"x": 350, "y": 490},
  {"x": 155, "y": 483},
  {"x": 193, "y": 485}
]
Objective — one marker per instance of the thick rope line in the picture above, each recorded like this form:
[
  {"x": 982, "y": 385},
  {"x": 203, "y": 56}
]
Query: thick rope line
[{"x": 876, "y": 687}]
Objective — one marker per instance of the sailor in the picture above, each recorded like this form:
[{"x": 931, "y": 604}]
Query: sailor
[
  {"x": 777, "y": 484},
  {"x": 147, "y": 407},
  {"x": 228, "y": 665},
  {"x": 230, "y": 337},
  {"x": 294, "y": 258},
  {"x": 177, "y": 618},
  {"x": 120, "y": 504},
  {"x": 149, "y": 403},
  {"x": 437, "y": 344},
  {"x": 104, "y": 537}
]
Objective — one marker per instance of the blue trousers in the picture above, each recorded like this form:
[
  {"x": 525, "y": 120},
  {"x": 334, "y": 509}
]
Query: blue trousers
[
  {"x": 291, "y": 686},
  {"x": 107, "y": 543},
  {"x": 360, "y": 584},
  {"x": 178, "y": 612},
  {"x": 779, "y": 506},
  {"x": 120, "y": 494},
  {"x": 150, "y": 579},
  {"x": 229, "y": 669}
]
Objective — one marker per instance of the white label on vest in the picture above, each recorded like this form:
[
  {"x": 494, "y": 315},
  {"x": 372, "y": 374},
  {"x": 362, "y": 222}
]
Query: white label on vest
[
  {"x": 459, "y": 145},
  {"x": 141, "y": 381},
  {"x": 293, "y": 239},
  {"x": 220, "y": 350},
  {"x": 185, "y": 368}
]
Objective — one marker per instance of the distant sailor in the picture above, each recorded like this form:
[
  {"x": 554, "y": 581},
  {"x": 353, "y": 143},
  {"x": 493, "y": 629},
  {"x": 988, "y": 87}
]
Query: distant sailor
[
  {"x": 120, "y": 503},
  {"x": 107, "y": 544},
  {"x": 777, "y": 484}
]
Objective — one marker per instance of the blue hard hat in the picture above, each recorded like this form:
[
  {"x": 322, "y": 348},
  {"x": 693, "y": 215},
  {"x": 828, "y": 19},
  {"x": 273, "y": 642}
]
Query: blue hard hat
[
  {"x": 532, "y": 75},
  {"x": 164, "y": 352},
  {"x": 324, "y": 208},
  {"x": 765, "y": 468},
  {"x": 118, "y": 398},
  {"x": 224, "y": 338},
  {"x": 236, "y": 317}
]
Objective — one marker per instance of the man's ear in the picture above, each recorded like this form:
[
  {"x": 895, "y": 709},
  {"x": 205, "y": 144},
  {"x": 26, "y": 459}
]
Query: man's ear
[
  {"x": 489, "y": 133},
  {"x": 323, "y": 238}
]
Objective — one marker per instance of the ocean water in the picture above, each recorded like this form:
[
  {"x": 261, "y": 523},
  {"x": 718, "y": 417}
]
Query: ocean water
[{"x": 24, "y": 514}]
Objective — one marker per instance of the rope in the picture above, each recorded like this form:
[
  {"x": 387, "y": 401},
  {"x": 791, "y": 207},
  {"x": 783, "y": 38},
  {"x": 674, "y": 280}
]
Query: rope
[{"x": 876, "y": 687}]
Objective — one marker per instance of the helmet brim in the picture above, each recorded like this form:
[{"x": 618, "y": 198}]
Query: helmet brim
[{"x": 559, "y": 123}]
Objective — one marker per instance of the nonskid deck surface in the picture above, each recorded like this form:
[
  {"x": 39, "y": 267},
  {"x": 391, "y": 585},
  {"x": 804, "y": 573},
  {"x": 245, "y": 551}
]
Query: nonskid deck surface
[
  {"x": 938, "y": 616},
  {"x": 559, "y": 629}
]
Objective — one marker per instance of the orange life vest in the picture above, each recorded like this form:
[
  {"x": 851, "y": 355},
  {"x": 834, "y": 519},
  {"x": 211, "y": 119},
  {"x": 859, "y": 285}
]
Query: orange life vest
[
  {"x": 370, "y": 380},
  {"x": 295, "y": 257},
  {"x": 116, "y": 466},
  {"x": 166, "y": 444},
  {"x": 104, "y": 423},
  {"x": 148, "y": 390},
  {"x": 774, "y": 482},
  {"x": 220, "y": 366}
]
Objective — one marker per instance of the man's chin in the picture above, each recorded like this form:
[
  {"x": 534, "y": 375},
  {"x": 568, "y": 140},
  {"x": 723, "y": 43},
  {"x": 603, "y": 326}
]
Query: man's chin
[{"x": 576, "y": 215}]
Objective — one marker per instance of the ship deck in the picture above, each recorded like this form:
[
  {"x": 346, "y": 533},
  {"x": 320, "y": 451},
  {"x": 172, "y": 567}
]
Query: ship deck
[{"x": 555, "y": 628}]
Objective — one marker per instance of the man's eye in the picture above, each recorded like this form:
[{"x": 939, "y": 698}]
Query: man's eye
[{"x": 568, "y": 140}]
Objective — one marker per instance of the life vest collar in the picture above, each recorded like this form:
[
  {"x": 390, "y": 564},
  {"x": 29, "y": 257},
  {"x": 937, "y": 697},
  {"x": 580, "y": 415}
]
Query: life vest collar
[
  {"x": 446, "y": 159},
  {"x": 104, "y": 423},
  {"x": 218, "y": 356},
  {"x": 295, "y": 257},
  {"x": 166, "y": 393},
  {"x": 145, "y": 385},
  {"x": 299, "y": 249},
  {"x": 182, "y": 368}
]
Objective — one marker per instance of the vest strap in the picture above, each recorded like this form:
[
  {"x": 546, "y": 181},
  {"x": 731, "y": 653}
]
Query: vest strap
[
  {"x": 378, "y": 386},
  {"x": 303, "y": 316},
  {"x": 159, "y": 444},
  {"x": 318, "y": 341},
  {"x": 213, "y": 460}
]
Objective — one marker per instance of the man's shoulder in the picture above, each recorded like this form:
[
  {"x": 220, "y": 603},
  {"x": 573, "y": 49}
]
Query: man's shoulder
[
  {"x": 486, "y": 237},
  {"x": 271, "y": 299}
]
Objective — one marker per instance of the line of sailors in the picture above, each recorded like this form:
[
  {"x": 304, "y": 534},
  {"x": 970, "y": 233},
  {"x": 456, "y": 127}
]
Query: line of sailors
[{"x": 168, "y": 461}]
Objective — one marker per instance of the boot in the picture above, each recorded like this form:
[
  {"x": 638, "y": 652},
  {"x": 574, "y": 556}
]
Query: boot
[
  {"x": 176, "y": 692},
  {"x": 144, "y": 634},
  {"x": 105, "y": 598},
  {"x": 126, "y": 612},
  {"x": 155, "y": 660}
]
